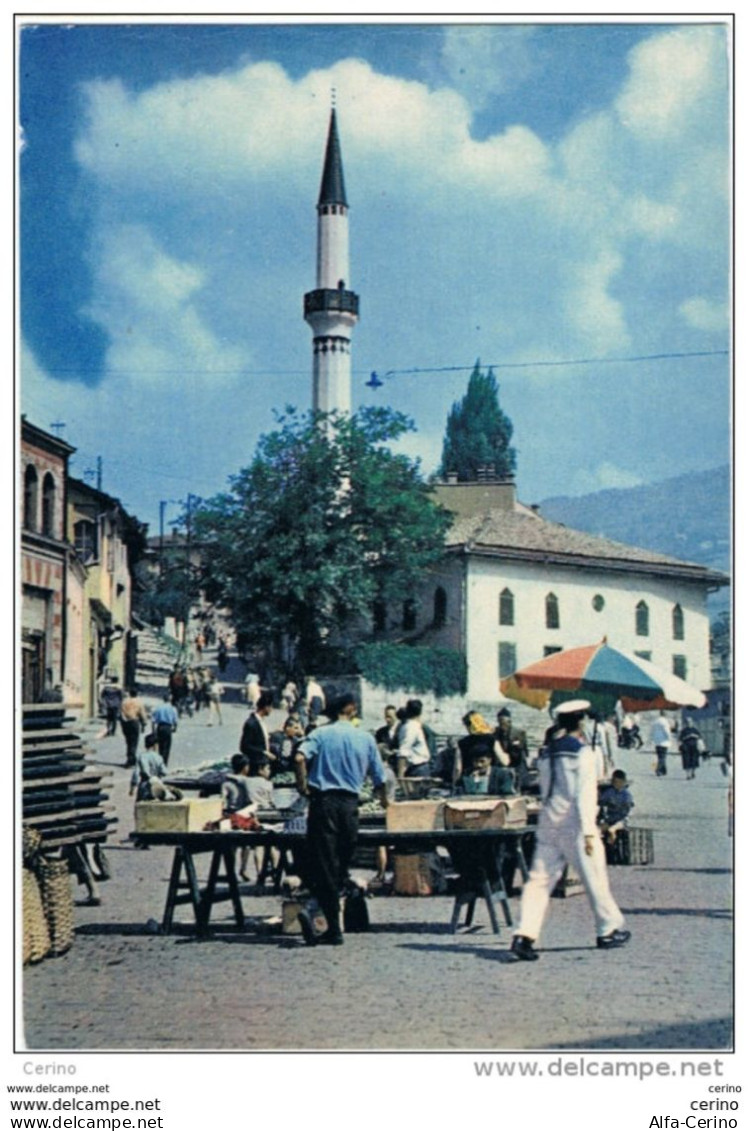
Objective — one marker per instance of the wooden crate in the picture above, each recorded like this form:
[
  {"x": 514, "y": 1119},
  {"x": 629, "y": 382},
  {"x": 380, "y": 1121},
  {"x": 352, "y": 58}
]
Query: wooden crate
[
  {"x": 415, "y": 816},
  {"x": 187, "y": 816},
  {"x": 485, "y": 813}
]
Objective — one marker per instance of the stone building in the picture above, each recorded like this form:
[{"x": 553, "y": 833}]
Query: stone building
[
  {"x": 515, "y": 587},
  {"x": 44, "y": 556},
  {"x": 106, "y": 541}
]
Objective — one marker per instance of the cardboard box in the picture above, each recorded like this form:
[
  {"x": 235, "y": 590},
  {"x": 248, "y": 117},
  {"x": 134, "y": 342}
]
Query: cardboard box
[
  {"x": 186, "y": 816},
  {"x": 413, "y": 875},
  {"x": 415, "y": 816},
  {"x": 485, "y": 813}
]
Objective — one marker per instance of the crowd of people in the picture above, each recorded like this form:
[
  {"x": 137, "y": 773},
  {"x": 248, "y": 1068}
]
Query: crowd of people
[{"x": 325, "y": 751}]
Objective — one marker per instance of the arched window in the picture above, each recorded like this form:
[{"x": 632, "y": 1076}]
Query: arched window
[
  {"x": 49, "y": 491},
  {"x": 30, "y": 497},
  {"x": 506, "y": 607},
  {"x": 642, "y": 619},
  {"x": 409, "y": 615},
  {"x": 440, "y": 607},
  {"x": 678, "y": 626},
  {"x": 552, "y": 618}
]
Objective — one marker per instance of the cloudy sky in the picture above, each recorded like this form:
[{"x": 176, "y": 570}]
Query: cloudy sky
[{"x": 527, "y": 195}]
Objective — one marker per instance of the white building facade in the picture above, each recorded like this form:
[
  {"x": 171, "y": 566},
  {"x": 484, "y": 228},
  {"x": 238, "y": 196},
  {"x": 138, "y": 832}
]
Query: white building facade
[{"x": 514, "y": 587}]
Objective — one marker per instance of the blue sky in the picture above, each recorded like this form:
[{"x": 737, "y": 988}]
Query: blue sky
[{"x": 518, "y": 193}]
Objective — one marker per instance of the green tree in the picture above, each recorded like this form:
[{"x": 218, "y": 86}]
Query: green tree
[
  {"x": 478, "y": 432},
  {"x": 324, "y": 522}
]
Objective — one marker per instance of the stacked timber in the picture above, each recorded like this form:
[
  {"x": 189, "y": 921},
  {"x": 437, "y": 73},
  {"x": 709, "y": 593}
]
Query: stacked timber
[{"x": 64, "y": 797}]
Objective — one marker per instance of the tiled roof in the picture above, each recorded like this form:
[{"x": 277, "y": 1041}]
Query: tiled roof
[{"x": 522, "y": 534}]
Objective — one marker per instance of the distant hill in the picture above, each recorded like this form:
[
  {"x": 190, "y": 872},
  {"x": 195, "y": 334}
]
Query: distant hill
[{"x": 687, "y": 517}]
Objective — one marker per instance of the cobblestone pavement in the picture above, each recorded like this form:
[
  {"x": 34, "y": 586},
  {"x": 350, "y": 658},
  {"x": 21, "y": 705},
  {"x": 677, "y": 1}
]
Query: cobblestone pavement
[{"x": 408, "y": 983}]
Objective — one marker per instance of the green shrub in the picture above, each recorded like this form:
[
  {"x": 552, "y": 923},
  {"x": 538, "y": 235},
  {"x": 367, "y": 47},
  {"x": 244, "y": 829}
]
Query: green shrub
[{"x": 438, "y": 670}]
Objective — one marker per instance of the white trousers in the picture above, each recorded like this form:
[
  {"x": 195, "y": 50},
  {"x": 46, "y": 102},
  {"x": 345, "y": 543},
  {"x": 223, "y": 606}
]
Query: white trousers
[{"x": 555, "y": 847}]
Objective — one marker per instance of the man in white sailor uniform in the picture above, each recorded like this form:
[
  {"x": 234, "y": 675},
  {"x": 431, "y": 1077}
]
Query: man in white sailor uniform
[{"x": 567, "y": 833}]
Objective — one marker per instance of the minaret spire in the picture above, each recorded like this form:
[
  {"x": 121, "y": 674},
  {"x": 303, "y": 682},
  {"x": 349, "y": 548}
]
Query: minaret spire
[{"x": 331, "y": 309}]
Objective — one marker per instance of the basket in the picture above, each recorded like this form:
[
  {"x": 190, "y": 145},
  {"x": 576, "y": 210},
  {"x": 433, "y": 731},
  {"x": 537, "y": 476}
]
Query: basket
[
  {"x": 641, "y": 846},
  {"x": 632, "y": 846},
  {"x": 57, "y": 901},
  {"x": 31, "y": 842},
  {"x": 36, "y": 942}
]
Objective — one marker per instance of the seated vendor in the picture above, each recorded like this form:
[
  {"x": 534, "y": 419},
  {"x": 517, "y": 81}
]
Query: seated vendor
[
  {"x": 235, "y": 793},
  {"x": 484, "y": 778},
  {"x": 284, "y": 743}
]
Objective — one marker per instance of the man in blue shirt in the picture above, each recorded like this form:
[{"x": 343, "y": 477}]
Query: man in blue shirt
[
  {"x": 331, "y": 766},
  {"x": 164, "y": 719}
]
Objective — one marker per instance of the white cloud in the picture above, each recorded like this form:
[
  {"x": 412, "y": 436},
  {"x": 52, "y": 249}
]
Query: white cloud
[
  {"x": 597, "y": 316},
  {"x": 507, "y": 247},
  {"x": 676, "y": 80},
  {"x": 147, "y": 302},
  {"x": 603, "y": 477},
  {"x": 704, "y": 314},
  {"x": 483, "y": 61}
]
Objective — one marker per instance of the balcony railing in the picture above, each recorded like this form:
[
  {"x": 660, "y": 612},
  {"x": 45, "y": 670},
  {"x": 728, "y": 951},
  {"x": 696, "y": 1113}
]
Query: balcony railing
[{"x": 327, "y": 299}]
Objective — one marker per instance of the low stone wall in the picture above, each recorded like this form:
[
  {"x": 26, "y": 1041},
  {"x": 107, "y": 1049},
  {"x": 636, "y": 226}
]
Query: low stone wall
[{"x": 444, "y": 715}]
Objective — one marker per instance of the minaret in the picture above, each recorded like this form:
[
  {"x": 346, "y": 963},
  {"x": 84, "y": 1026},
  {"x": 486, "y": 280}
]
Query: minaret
[{"x": 331, "y": 309}]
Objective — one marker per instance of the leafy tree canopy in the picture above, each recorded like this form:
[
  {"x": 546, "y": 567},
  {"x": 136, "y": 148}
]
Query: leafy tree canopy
[
  {"x": 478, "y": 432},
  {"x": 325, "y": 521}
]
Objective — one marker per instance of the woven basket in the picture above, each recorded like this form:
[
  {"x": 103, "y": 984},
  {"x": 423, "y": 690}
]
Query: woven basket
[
  {"x": 36, "y": 941},
  {"x": 57, "y": 900},
  {"x": 31, "y": 842}
]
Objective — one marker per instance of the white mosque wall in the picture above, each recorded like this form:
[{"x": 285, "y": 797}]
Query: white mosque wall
[{"x": 578, "y": 592}]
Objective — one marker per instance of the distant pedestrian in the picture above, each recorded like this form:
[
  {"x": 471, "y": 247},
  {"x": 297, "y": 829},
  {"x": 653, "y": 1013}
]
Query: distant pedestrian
[
  {"x": 165, "y": 720},
  {"x": 289, "y": 697},
  {"x": 111, "y": 701},
  {"x": 314, "y": 700},
  {"x": 691, "y": 746},
  {"x": 661, "y": 736},
  {"x": 413, "y": 754},
  {"x": 212, "y": 692},
  {"x": 133, "y": 720},
  {"x": 222, "y": 656},
  {"x": 253, "y": 691}
]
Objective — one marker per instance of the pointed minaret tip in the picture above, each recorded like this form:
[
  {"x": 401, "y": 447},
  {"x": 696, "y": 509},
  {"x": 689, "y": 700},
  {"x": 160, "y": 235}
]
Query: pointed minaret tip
[{"x": 332, "y": 188}]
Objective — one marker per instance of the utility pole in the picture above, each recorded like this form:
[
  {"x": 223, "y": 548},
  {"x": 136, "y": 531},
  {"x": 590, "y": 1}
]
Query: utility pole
[
  {"x": 99, "y": 467},
  {"x": 161, "y": 512}
]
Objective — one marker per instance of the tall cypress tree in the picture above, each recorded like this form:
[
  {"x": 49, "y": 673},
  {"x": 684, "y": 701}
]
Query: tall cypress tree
[{"x": 478, "y": 432}]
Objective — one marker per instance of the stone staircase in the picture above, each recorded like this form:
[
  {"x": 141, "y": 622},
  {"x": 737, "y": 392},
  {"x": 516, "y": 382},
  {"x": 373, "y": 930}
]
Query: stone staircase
[{"x": 157, "y": 655}]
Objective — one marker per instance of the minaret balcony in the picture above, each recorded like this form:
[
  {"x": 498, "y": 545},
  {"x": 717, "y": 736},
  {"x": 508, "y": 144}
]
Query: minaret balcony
[{"x": 326, "y": 300}]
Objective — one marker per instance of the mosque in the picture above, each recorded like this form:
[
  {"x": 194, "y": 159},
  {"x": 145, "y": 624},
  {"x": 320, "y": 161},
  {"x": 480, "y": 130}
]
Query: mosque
[{"x": 513, "y": 587}]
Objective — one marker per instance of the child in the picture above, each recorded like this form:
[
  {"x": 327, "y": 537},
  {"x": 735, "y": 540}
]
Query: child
[{"x": 615, "y": 804}]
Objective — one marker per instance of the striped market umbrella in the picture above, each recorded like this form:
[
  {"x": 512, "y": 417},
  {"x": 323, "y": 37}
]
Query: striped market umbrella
[{"x": 604, "y": 674}]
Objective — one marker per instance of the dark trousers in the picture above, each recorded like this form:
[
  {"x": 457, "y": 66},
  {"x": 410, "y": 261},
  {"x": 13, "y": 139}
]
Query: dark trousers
[
  {"x": 661, "y": 752},
  {"x": 332, "y": 832},
  {"x": 163, "y": 737},
  {"x": 112, "y": 714},
  {"x": 131, "y": 731}
]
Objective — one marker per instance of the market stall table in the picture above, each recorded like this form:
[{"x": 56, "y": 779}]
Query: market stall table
[{"x": 471, "y": 847}]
